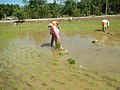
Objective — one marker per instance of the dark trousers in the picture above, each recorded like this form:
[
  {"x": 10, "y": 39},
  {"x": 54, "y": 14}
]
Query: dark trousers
[
  {"x": 104, "y": 28},
  {"x": 53, "y": 38}
]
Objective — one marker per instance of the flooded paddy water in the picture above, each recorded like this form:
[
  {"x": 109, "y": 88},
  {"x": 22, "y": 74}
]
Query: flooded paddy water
[{"x": 27, "y": 62}]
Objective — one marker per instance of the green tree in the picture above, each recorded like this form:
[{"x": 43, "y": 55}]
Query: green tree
[
  {"x": 85, "y": 6},
  {"x": 20, "y": 14},
  {"x": 54, "y": 9},
  {"x": 114, "y": 6},
  {"x": 35, "y": 8},
  {"x": 7, "y": 9},
  {"x": 92, "y": 7},
  {"x": 70, "y": 8},
  {"x": 1, "y": 12}
]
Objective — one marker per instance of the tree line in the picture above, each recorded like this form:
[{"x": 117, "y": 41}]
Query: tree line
[{"x": 34, "y": 9}]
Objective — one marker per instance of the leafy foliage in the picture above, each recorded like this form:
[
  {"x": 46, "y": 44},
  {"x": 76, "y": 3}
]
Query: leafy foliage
[
  {"x": 20, "y": 14},
  {"x": 42, "y": 9},
  {"x": 71, "y": 61}
]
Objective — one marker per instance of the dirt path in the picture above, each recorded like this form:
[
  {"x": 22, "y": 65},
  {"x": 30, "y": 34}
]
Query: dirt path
[{"x": 67, "y": 18}]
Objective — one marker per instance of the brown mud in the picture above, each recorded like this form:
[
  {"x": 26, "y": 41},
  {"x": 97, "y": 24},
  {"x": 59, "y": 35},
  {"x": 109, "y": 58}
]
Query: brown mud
[{"x": 29, "y": 63}]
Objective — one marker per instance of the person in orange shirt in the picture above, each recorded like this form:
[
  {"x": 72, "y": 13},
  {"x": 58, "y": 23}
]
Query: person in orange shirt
[{"x": 55, "y": 23}]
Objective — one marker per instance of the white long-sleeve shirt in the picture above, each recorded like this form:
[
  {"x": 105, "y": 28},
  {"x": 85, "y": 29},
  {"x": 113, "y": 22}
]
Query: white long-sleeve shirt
[{"x": 106, "y": 21}]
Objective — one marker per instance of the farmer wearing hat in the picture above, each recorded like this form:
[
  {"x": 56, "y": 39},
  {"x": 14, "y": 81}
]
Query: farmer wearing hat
[
  {"x": 55, "y": 23},
  {"x": 105, "y": 25},
  {"x": 55, "y": 32}
]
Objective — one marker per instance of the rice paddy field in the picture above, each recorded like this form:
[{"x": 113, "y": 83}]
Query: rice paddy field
[{"x": 28, "y": 62}]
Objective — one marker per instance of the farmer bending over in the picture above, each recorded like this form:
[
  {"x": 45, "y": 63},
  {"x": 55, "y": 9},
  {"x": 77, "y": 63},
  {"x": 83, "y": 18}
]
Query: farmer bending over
[
  {"x": 105, "y": 25},
  {"x": 54, "y": 31}
]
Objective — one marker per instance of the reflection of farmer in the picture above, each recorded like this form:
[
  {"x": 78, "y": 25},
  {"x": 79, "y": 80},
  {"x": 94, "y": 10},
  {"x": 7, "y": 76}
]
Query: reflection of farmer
[
  {"x": 55, "y": 23},
  {"x": 54, "y": 31},
  {"x": 105, "y": 24}
]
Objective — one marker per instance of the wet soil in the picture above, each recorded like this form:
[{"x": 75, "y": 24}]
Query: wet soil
[
  {"x": 29, "y": 63},
  {"x": 103, "y": 56}
]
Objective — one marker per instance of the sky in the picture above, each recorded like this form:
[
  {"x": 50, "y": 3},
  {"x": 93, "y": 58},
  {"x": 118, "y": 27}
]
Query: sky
[{"x": 16, "y": 1}]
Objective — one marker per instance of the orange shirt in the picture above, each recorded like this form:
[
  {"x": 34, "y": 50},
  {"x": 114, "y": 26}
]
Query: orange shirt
[{"x": 55, "y": 23}]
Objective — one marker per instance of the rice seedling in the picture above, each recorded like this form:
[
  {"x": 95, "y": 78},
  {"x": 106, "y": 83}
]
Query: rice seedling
[{"x": 71, "y": 61}]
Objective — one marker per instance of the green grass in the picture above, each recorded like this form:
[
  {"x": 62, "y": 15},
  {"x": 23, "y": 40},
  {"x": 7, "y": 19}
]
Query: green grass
[
  {"x": 8, "y": 31},
  {"x": 75, "y": 25},
  {"x": 89, "y": 25}
]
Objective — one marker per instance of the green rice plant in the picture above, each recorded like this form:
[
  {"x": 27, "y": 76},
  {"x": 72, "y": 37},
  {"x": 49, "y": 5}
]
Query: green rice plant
[
  {"x": 62, "y": 53},
  {"x": 57, "y": 45},
  {"x": 71, "y": 61}
]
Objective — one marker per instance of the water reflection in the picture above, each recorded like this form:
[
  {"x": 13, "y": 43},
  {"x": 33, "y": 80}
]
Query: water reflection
[
  {"x": 27, "y": 41},
  {"x": 98, "y": 55},
  {"x": 55, "y": 54}
]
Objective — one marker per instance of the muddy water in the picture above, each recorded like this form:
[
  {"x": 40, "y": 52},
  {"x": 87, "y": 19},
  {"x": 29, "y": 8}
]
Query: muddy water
[
  {"x": 29, "y": 63},
  {"x": 103, "y": 56}
]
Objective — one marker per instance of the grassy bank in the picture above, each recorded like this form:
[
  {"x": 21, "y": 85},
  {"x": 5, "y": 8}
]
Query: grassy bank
[
  {"x": 88, "y": 24},
  {"x": 8, "y": 31}
]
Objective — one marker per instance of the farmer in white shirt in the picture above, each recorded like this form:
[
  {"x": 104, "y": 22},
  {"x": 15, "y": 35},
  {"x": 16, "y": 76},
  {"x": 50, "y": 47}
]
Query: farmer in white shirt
[{"x": 105, "y": 25}]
